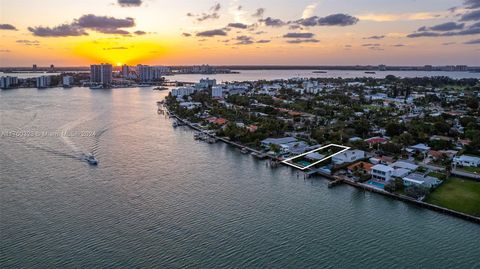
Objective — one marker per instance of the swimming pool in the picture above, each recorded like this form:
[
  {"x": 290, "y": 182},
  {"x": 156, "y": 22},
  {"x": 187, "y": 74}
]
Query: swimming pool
[
  {"x": 376, "y": 184},
  {"x": 303, "y": 163}
]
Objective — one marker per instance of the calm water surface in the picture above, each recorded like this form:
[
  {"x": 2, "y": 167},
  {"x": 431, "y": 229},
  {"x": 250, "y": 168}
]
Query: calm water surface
[
  {"x": 253, "y": 75},
  {"x": 158, "y": 198}
]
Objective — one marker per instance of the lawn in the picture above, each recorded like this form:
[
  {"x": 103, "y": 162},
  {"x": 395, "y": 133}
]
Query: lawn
[
  {"x": 438, "y": 175},
  {"x": 471, "y": 169},
  {"x": 458, "y": 194}
]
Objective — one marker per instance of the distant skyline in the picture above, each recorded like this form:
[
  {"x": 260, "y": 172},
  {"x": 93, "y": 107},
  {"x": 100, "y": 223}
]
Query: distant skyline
[{"x": 240, "y": 32}]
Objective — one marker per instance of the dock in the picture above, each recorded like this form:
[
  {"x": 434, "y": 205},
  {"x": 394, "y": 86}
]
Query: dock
[{"x": 335, "y": 180}]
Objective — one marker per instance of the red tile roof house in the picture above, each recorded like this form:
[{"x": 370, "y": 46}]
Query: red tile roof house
[
  {"x": 435, "y": 155},
  {"x": 362, "y": 166},
  {"x": 218, "y": 121},
  {"x": 376, "y": 140},
  {"x": 252, "y": 128}
]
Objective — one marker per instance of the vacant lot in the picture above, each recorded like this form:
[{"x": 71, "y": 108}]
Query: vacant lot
[{"x": 458, "y": 194}]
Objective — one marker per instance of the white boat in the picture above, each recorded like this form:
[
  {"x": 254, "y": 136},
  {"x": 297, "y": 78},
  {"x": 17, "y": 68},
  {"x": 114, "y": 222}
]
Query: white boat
[{"x": 90, "y": 159}]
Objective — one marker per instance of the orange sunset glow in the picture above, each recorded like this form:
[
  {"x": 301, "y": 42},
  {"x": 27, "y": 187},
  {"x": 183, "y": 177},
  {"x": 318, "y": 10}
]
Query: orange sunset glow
[{"x": 238, "y": 32}]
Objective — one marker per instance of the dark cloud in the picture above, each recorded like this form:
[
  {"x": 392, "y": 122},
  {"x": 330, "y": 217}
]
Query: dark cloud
[
  {"x": 294, "y": 27},
  {"x": 259, "y": 13},
  {"x": 273, "y": 22},
  {"x": 216, "y": 7},
  {"x": 5, "y": 51},
  {"x": 260, "y": 32},
  {"x": 475, "y": 25},
  {"x": 140, "y": 32},
  {"x": 376, "y": 37},
  {"x": 58, "y": 31},
  {"x": 399, "y": 45},
  {"x": 338, "y": 20},
  {"x": 187, "y": 34},
  {"x": 100, "y": 23},
  {"x": 261, "y": 41},
  {"x": 210, "y": 33},
  {"x": 471, "y": 16},
  {"x": 473, "y": 42},
  {"x": 244, "y": 40},
  {"x": 238, "y": 25},
  {"x": 371, "y": 45},
  {"x": 116, "y": 48},
  {"x": 130, "y": 3},
  {"x": 312, "y": 21},
  {"x": 331, "y": 20},
  {"x": 28, "y": 42},
  {"x": 448, "y": 26},
  {"x": 471, "y": 4},
  {"x": 448, "y": 43},
  {"x": 7, "y": 26},
  {"x": 213, "y": 14},
  {"x": 299, "y": 35},
  {"x": 205, "y": 16},
  {"x": 472, "y": 30},
  {"x": 298, "y": 41}
]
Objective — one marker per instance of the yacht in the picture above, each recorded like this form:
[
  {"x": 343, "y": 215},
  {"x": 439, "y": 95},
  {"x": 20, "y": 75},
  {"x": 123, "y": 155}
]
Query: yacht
[
  {"x": 91, "y": 159},
  {"x": 96, "y": 87}
]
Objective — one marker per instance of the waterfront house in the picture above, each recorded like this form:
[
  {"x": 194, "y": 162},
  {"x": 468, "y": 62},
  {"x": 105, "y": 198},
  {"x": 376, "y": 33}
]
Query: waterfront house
[
  {"x": 362, "y": 167},
  {"x": 314, "y": 156},
  {"x": 400, "y": 172},
  {"x": 217, "y": 121},
  {"x": 348, "y": 156},
  {"x": 189, "y": 105},
  {"x": 467, "y": 160},
  {"x": 417, "y": 179},
  {"x": 382, "y": 172},
  {"x": 277, "y": 141},
  {"x": 297, "y": 147}
]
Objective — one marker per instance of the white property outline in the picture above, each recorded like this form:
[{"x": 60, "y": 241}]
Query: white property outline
[{"x": 345, "y": 148}]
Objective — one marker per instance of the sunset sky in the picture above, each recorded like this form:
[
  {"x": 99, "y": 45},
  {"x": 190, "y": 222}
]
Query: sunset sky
[{"x": 238, "y": 32}]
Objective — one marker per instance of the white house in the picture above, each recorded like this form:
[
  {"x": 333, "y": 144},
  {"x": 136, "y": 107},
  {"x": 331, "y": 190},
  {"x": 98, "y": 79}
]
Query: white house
[
  {"x": 382, "y": 172},
  {"x": 189, "y": 105},
  {"x": 404, "y": 165},
  {"x": 416, "y": 179},
  {"x": 466, "y": 160},
  {"x": 348, "y": 156}
]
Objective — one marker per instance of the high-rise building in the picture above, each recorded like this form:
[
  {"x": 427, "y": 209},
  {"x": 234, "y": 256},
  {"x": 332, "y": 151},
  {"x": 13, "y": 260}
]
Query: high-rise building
[
  {"x": 125, "y": 70},
  {"x": 151, "y": 73},
  {"x": 101, "y": 73},
  {"x": 67, "y": 81},
  {"x": 34, "y": 67},
  {"x": 44, "y": 81},
  {"x": 8, "y": 82}
]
